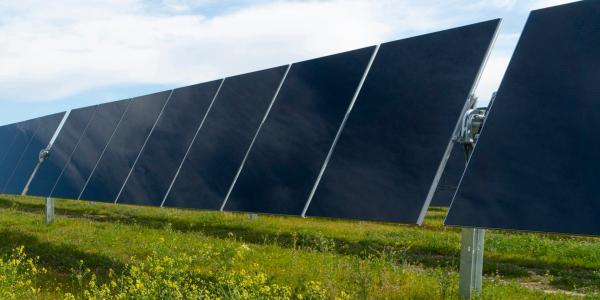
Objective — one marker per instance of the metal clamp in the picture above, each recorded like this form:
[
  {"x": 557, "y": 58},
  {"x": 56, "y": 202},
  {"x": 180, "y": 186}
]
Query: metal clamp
[
  {"x": 43, "y": 155},
  {"x": 471, "y": 126}
]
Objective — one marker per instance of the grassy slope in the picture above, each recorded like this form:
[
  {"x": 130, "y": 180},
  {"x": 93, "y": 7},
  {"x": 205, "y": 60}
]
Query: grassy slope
[{"x": 369, "y": 260}]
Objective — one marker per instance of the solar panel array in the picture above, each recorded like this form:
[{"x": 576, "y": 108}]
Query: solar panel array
[
  {"x": 360, "y": 134},
  {"x": 364, "y": 134},
  {"x": 536, "y": 165}
]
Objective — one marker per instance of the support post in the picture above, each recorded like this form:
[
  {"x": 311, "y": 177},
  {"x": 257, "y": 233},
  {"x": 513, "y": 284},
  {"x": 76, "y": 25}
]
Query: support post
[
  {"x": 471, "y": 262},
  {"x": 49, "y": 210}
]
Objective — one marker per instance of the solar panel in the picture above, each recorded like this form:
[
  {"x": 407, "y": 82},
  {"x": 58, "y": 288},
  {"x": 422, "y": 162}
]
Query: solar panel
[
  {"x": 450, "y": 178},
  {"x": 536, "y": 164},
  {"x": 61, "y": 150},
  {"x": 89, "y": 149},
  {"x": 391, "y": 148},
  {"x": 162, "y": 155},
  {"x": 23, "y": 133},
  {"x": 7, "y": 137},
  {"x": 292, "y": 144},
  {"x": 124, "y": 147},
  {"x": 37, "y": 135},
  {"x": 222, "y": 142}
]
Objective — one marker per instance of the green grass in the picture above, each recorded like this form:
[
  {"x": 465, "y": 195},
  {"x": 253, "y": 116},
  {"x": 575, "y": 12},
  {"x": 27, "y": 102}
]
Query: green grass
[{"x": 368, "y": 260}]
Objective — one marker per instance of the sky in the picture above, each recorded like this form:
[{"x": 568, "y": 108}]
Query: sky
[{"x": 63, "y": 54}]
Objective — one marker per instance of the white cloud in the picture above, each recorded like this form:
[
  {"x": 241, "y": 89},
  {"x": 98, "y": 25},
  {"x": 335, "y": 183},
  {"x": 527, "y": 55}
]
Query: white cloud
[
  {"x": 62, "y": 49},
  {"x": 55, "y": 49}
]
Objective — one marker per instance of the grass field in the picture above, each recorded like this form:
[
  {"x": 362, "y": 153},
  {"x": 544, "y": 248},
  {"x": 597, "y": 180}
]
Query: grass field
[{"x": 232, "y": 256}]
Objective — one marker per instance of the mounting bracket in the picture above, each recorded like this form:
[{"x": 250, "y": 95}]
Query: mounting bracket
[
  {"x": 42, "y": 157},
  {"x": 471, "y": 126},
  {"x": 472, "y": 239},
  {"x": 469, "y": 129}
]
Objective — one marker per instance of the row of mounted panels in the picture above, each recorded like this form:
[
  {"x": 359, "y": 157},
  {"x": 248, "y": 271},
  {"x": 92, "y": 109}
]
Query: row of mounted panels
[{"x": 362, "y": 134}]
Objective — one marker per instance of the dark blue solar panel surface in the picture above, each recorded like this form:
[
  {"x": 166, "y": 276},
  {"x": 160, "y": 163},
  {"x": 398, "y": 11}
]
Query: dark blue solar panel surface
[
  {"x": 124, "y": 147},
  {"x": 536, "y": 165},
  {"x": 162, "y": 155},
  {"x": 389, "y": 152},
  {"x": 89, "y": 149},
  {"x": 450, "y": 178},
  {"x": 223, "y": 140},
  {"x": 293, "y": 142},
  {"x": 23, "y": 131},
  {"x": 61, "y": 150},
  {"x": 7, "y": 137},
  {"x": 38, "y": 140}
]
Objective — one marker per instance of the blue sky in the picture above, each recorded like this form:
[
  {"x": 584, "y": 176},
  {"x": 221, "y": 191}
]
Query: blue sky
[{"x": 62, "y": 54}]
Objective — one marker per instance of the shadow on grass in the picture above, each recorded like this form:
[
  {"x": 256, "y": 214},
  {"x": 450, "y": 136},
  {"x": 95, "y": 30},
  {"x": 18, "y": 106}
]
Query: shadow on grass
[
  {"x": 431, "y": 255},
  {"x": 58, "y": 259}
]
